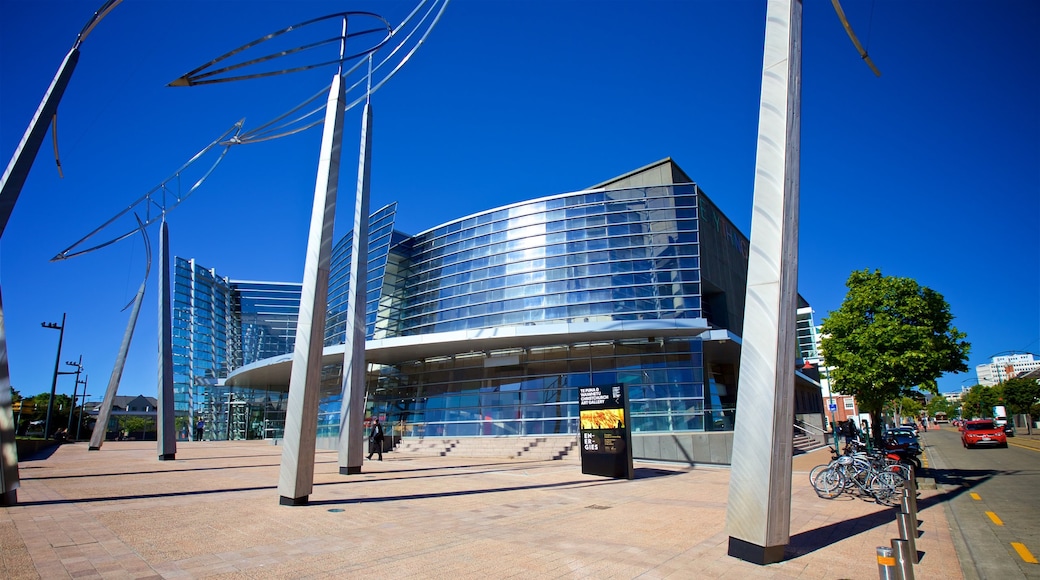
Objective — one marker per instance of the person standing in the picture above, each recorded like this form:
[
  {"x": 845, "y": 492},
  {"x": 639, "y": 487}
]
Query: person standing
[{"x": 375, "y": 441}]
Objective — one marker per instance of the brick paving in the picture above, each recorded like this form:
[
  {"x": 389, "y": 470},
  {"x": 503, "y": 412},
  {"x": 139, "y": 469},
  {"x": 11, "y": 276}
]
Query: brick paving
[{"x": 214, "y": 513}]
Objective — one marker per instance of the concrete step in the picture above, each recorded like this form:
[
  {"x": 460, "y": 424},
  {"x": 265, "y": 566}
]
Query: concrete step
[{"x": 545, "y": 448}]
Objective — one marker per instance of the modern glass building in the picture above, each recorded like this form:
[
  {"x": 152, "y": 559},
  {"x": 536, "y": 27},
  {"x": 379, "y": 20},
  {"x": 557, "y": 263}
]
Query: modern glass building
[
  {"x": 489, "y": 324},
  {"x": 220, "y": 325}
]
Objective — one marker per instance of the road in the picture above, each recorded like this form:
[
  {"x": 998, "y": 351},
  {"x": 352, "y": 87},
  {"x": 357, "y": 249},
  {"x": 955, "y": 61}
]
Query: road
[{"x": 993, "y": 498}]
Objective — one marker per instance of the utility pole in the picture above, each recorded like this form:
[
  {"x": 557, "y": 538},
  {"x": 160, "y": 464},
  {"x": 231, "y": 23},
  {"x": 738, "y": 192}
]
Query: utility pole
[{"x": 54, "y": 381}]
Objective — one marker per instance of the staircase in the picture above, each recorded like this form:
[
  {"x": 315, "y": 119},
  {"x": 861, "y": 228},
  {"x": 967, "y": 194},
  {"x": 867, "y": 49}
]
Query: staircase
[
  {"x": 804, "y": 443},
  {"x": 548, "y": 448}
]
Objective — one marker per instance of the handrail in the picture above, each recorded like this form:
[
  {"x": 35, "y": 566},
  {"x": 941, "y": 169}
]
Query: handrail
[{"x": 809, "y": 428}]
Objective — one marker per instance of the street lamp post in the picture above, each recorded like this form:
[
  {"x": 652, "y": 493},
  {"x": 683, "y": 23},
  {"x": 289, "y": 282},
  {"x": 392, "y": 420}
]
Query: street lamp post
[
  {"x": 75, "y": 388},
  {"x": 54, "y": 381},
  {"x": 84, "y": 395}
]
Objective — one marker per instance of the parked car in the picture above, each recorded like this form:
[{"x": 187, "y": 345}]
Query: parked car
[
  {"x": 982, "y": 432},
  {"x": 902, "y": 431},
  {"x": 910, "y": 426}
]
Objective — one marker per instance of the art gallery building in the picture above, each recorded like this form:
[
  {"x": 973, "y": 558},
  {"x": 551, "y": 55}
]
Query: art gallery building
[{"x": 487, "y": 326}]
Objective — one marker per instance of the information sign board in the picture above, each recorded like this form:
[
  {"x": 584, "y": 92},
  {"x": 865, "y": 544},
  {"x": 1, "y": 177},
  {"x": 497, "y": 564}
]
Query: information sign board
[{"x": 605, "y": 431}]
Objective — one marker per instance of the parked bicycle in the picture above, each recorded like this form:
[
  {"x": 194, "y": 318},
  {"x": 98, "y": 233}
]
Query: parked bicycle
[{"x": 865, "y": 474}]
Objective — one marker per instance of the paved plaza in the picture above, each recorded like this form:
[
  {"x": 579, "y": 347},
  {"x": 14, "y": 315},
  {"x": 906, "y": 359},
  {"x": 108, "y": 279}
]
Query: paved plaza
[{"x": 214, "y": 513}]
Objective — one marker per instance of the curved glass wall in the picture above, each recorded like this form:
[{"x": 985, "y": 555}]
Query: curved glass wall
[
  {"x": 534, "y": 391},
  {"x": 380, "y": 236},
  {"x": 629, "y": 254}
]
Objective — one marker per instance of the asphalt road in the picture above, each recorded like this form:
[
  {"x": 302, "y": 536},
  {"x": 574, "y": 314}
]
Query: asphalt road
[{"x": 993, "y": 499}]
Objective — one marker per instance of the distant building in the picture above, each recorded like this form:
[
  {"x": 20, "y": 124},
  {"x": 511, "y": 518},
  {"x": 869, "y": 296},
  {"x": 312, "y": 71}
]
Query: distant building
[
  {"x": 1002, "y": 368},
  {"x": 123, "y": 406}
]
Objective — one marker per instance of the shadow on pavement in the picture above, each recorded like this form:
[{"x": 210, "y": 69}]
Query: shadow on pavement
[{"x": 810, "y": 541}]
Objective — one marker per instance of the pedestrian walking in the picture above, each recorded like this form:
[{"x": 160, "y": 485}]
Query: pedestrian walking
[{"x": 375, "y": 441}]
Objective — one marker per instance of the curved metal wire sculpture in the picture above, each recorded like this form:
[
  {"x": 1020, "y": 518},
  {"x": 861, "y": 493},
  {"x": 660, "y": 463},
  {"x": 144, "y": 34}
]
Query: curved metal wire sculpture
[
  {"x": 383, "y": 62},
  {"x": 383, "y": 58},
  {"x": 156, "y": 199}
]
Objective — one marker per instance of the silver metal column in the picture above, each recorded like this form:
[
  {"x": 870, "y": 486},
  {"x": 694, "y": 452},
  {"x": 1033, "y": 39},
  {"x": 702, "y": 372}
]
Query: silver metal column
[
  {"x": 9, "y": 481},
  {"x": 352, "y": 414},
  {"x": 758, "y": 515},
  {"x": 166, "y": 429},
  {"x": 10, "y": 188},
  {"x": 97, "y": 437},
  {"x": 296, "y": 475}
]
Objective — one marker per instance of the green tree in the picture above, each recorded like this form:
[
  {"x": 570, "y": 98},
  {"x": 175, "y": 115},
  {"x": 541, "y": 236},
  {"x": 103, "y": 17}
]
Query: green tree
[
  {"x": 1020, "y": 395},
  {"x": 941, "y": 405},
  {"x": 979, "y": 401},
  {"x": 136, "y": 426},
  {"x": 890, "y": 335},
  {"x": 904, "y": 408}
]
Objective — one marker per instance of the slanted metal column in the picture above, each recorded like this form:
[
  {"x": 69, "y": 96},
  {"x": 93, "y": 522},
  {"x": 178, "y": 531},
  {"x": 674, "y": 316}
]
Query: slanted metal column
[
  {"x": 758, "y": 515},
  {"x": 9, "y": 480},
  {"x": 296, "y": 475},
  {"x": 166, "y": 429},
  {"x": 352, "y": 414},
  {"x": 97, "y": 436}
]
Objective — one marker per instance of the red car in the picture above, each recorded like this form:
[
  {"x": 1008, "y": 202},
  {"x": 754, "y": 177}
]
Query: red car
[{"x": 982, "y": 432}]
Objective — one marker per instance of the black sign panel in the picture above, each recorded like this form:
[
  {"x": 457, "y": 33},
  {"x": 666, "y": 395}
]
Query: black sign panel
[{"x": 605, "y": 431}]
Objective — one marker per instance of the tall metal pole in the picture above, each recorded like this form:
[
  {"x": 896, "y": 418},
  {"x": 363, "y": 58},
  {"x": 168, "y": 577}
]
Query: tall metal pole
[
  {"x": 758, "y": 511},
  {"x": 9, "y": 480},
  {"x": 10, "y": 188},
  {"x": 84, "y": 396},
  {"x": 296, "y": 474},
  {"x": 97, "y": 437},
  {"x": 75, "y": 389},
  {"x": 165, "y": 424},
  {"x": 54, "y": 380},
  {"x": 352, "y": 414}
]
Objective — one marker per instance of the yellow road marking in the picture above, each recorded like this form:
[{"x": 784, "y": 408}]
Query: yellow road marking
[
  {"x": 1019, "y": 445},
  {"x": 1024, "y": 553},
  {"x": 975, "y": 496},
  {"x": 995, "y": 519}
]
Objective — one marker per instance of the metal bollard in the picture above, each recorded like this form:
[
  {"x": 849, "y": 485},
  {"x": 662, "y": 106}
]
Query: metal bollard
[
  {"x": 909, "y": 506},
  {"x": 911, "y": 485},
  {"x": 886, "y": 564},
  {"x": 907, "y": 531},
  {"x": 904, "y": 567}
]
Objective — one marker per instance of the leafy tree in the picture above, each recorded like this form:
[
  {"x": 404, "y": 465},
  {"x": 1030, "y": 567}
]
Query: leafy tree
[
  {"x": 979, "y": 401},
  {"x": 1020, "y": 394},
  {"x": 941, "y": 405},
  {"x": 904, "y": 408},
  {"x": 890, "y": 335},
  {"x": 134, "y": 425}
]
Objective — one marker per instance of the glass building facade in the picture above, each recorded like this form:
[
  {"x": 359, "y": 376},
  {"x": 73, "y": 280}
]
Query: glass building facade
[
  {"x": 589, "y": 257},
  {"x": 220, "y": 325},
  {"x": 489, "y": 324}
]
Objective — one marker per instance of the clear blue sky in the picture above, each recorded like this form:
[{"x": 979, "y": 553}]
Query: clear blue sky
[{"x": 931, "y": 171}]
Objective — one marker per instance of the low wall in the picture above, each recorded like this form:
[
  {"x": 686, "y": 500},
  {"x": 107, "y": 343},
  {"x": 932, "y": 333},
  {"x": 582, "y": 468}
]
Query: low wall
[{"x": 691, "y": 448}]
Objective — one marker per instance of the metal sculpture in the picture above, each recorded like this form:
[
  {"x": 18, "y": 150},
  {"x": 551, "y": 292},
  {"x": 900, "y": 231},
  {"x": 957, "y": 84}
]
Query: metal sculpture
[
  {"x": 382, "y": 60},
  {"x": 97, "y": 436},
  {"x": 375, "y": 65},
  {"x": 758, "y": 512},
  {"x": 11, "y": 184}
]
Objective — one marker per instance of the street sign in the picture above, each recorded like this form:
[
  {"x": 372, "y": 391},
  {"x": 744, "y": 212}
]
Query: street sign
[{"x": 833, "y": 406}]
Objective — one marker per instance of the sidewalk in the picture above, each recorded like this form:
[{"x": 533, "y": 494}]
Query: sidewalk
[{"x": 121, "y": 513}]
